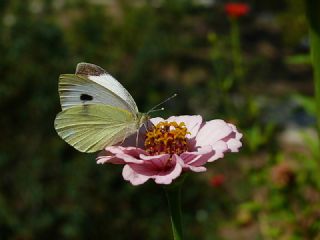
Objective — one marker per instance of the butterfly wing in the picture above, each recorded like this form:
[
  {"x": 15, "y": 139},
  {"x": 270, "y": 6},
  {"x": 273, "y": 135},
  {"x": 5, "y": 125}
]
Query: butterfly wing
[
  {"x": 89, "y": 128},
  {"x": 93, "y": 85}
]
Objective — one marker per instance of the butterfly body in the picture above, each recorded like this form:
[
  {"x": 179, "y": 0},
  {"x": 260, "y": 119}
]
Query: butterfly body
[{"x": 97, "y": 111}]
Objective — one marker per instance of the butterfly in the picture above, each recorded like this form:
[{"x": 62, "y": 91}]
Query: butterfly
[{"x": 97, "y": 111}]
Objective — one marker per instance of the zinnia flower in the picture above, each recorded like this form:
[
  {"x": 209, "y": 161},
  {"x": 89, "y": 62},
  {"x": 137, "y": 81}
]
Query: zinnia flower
[
  {"x": 172, "y": 147},
  {"x": 236, "y": 10}
]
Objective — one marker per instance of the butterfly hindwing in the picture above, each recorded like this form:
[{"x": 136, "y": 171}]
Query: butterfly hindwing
[{"x": 89, "y": 128}]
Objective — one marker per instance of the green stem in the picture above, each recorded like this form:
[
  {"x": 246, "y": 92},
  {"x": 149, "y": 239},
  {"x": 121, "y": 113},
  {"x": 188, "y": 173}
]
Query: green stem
[
  {"x": 236, "y": 49},
  {"x": 173, "y": 194},
  {"x": 313, "y": 7}
]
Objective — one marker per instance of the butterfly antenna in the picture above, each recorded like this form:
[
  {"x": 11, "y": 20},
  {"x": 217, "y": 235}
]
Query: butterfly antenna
[
  {"x": 155, "y": 110},
  {"x": 161, "y": 109}
]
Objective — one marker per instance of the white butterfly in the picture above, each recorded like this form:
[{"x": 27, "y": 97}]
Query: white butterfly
[{"x": 97, "y": 111}]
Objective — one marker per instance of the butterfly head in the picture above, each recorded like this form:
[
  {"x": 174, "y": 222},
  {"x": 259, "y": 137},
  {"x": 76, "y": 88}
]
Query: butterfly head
[{"x": 143, "y": 118}]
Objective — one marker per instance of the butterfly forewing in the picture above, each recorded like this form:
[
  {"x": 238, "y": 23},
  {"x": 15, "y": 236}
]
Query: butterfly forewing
[
  {"x": 78, "y": 90},
  {"x": 104, "y": 79},
  {"x": 89, "y": 128}
]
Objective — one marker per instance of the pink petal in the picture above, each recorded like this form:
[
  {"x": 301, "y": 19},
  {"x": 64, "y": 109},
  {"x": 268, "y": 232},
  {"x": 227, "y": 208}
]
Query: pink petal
[
  {"x": 234, "y": 139},
  {"x": 212, "y": 132},
  {"x": 197, "y": 169},
  {"x": 193, "y": 123},
  {"x": 127, "y": 158},
  {"x": 120, "y": 155},
  {"x": 166, "y": 177},
  {"x": 110, "y": 159},
  {"x": 190, "y": 157},
  {"x": 107, "y": 157},
  {"x": 154, "y": 157},
  {"x": 152, "y": 167},
  {"x": 104, "y": 159},
  {"x": 157, "y": 161},
  {"x": 206, "y": 154},
  {"x": 219, "y": 148},
  {"x": 132, "y": 151},
  {"x": 234, "y": 129},
  {"x": 156, "y": 168},
  {"x": 234, "y": 145},
  {"x": 156, "y": 120},
  {"x": 194, "y": 159},
  {"x": 135, "y": 178}
]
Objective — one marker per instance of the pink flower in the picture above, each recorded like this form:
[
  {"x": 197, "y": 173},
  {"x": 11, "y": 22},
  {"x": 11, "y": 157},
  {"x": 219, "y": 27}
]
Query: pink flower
[{"x": 173, "y": 146}]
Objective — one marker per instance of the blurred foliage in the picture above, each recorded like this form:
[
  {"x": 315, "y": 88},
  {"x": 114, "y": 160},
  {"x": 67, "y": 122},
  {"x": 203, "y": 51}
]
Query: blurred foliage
[{"x": 50, "y": 191}]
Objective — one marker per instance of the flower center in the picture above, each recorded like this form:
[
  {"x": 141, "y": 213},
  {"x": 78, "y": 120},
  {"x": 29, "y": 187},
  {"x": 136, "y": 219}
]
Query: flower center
[{"x": 167, "y": 137}]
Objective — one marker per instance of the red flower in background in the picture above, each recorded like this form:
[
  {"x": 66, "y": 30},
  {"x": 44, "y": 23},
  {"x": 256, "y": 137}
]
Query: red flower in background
[
  {"x": 236, "y": 10},
  {"x": 217, "y": 180}
]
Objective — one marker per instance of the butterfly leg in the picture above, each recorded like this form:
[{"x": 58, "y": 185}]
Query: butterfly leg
[
  {"x": 122, "y": 141},
  {"x": 137, "y": 138}
]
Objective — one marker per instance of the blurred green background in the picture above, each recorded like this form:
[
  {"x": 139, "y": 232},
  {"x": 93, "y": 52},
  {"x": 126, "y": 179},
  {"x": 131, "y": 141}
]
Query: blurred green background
[{"x": 253, "y": 71}]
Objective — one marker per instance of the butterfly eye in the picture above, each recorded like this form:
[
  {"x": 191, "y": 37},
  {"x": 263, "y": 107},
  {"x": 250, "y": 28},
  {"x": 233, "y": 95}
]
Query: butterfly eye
[{"x": 85, "y": 97}]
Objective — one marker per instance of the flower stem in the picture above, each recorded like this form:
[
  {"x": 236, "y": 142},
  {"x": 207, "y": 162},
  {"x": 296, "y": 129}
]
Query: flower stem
[
  {"x": 236, "y": 49},
  {"x": 314, "y": 25},
  {"x": 173, "y": 194}
]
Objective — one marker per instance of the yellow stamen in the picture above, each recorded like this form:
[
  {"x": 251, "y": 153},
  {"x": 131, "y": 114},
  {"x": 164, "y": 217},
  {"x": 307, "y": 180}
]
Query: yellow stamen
[{"x": 167, "y": 137}]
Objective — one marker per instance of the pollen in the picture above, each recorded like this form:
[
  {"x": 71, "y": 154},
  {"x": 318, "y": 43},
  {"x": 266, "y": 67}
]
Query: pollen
[{"x": 167, "y": 137}]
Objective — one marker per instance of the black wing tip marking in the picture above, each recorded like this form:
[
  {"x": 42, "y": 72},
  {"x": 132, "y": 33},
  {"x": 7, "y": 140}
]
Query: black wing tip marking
[
  {"x": 86, "y": 97},
  {"x": 89, "y": 69}
]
